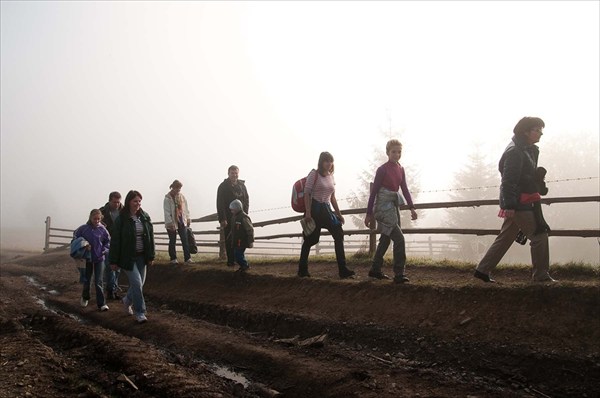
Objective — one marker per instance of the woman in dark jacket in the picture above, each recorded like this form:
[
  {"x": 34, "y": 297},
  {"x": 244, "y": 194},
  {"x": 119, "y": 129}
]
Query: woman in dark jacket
[{"x": 132, "y": 249}]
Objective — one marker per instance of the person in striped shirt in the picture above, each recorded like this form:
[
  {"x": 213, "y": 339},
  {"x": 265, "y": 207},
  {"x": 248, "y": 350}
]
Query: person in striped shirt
[{"x": 319, "y": 198}]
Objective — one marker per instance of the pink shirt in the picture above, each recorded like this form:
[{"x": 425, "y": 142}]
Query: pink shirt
[
  {"x": 390, "y": 176},
  {"x": 322, "y": 190}
]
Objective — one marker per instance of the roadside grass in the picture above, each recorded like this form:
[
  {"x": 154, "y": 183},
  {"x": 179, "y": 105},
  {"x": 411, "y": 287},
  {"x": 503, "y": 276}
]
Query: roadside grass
[{"x": 362, "y": 260}]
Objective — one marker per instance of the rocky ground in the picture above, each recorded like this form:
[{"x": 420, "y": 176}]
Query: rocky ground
[{"x": 214, "y": 333}]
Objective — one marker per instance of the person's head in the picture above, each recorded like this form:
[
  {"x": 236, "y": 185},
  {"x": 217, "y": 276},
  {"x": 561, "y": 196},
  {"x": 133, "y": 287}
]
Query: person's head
[
  {"x": 133, "y": 202},
  {"x": 176, "y": 186},
  {"x": 114, "y": 200},
  {"x": 529, "y": 128},
  {"x": 393, "y": 149},
  {"x": 95, "y": 217},
  {"x": 233, "y": 172},
  {"x": 325, "y": 163},
  {"x": 235, "y": 206}
]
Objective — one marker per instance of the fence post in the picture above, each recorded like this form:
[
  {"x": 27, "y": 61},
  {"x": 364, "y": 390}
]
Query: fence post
[
  {"x": 373, "y": 234},
  {"x": 430, "y": 247},
  {"x": 47, "y": 237}
]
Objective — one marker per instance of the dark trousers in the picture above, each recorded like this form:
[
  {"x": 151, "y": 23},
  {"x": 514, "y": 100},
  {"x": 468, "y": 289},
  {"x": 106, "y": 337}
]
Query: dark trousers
[
  {"x": 240, "y": 257},
  {"x": 322, "y": 216},
  {"x": 399, "y": 251},
  {"x": 228, "y": 246},
  {"x": 182, "y": 230}
]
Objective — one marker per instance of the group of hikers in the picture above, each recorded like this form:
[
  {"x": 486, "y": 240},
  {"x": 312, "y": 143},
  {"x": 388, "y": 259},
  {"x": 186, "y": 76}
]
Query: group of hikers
[{"x": 122, "y": 234}]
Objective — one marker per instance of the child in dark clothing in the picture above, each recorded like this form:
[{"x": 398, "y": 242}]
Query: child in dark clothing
[{"x": 242, "y": 234}]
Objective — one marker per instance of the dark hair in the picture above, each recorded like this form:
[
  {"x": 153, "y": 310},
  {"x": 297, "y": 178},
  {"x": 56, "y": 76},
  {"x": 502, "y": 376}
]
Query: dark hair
[
  {"x": 130, "y": 196},
  {"x": 232, "y": 167},
  {"x": 325, "y": 156},
  {"x": 527, "y": 124},
  {"x": 115, "y": 195},
  {"x": 176, "y": 184}
]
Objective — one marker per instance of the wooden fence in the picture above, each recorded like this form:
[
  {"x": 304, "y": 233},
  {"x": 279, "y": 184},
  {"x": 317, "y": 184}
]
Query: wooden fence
[{"x": 272, "y": 245}]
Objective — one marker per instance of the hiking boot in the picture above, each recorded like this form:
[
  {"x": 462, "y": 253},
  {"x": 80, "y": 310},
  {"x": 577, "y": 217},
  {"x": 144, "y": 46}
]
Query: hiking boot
[
  {"x": 483, "y": 277},
  {"x": 346, "y": 273},
  {"x": 174, "y": 262},
  {"x": 103, "y": 308},
  {"x": 83, "y": 302},
  {"x": 303, "y": 274},
  {"x": 190, "y": 261},
  {"x": 378, "y": 275},
  {"x": 127, "y": 304},
  {"x": 401, "y": 279},
  {"x": 140, "y": 318}
]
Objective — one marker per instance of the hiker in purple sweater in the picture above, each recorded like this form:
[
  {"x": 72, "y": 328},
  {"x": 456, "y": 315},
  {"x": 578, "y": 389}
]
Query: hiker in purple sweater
[{"x": 98, "y": 238}]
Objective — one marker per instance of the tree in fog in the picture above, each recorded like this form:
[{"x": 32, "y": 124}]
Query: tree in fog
[
  {"x": 571, "y": 159},
  {"x": 478, "y": 179}
]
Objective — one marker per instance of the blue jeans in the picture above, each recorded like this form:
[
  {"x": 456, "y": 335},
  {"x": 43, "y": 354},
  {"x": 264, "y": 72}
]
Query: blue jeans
[
  {"x": 135, "y": 293},
  {"x": 240, "y": 257},
  {"x": 96, "y": 269},
  {"x": 112, "y": 279},
  {"x": 182, "y": 230}
]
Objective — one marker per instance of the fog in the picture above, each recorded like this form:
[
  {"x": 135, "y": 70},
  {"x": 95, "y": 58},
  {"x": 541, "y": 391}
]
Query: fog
[{"x": 103, "y": 96}]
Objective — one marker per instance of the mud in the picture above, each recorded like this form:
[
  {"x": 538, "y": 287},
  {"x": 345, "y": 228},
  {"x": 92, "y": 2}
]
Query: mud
[{"x": 215, "y": 333}]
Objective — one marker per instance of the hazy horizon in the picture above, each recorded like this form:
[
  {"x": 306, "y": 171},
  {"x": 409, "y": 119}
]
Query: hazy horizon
[{"x": 103, "y": 96}]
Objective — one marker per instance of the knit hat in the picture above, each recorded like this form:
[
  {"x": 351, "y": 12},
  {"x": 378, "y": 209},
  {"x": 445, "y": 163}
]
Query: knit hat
[{"x": 236, "y": 205}]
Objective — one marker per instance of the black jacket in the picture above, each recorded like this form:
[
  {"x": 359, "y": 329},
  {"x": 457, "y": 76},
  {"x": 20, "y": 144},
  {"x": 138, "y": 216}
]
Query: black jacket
[
  {"x": 242, "y": 233},
  {"x": 107, "y": 219},
  {"x": 122, "y": 242},
  {"x": 518, "y": 167},
  {"x": 227, "y": 193}
]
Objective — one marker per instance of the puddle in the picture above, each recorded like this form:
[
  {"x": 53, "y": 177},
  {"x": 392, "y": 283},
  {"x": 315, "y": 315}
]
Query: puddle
[
  {"x": 45, "y": 306},
  {"x": 229, "y": 374}
]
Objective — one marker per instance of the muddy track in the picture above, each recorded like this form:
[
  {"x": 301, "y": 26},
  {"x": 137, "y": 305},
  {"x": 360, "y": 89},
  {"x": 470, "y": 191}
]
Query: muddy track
[{"x": 464, "y": 339}]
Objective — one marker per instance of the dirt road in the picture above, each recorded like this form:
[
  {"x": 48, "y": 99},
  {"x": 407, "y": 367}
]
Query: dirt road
[{"x": 214, "y": 333}]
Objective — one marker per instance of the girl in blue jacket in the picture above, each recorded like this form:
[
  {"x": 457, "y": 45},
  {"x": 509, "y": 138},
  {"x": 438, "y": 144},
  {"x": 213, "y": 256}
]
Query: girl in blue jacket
[{"x": 98, "y": 238}]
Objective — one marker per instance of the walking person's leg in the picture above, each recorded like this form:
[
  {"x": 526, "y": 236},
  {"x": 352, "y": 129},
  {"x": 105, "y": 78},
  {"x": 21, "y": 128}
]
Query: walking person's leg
[
  {"x": 337, "y": 232},
  {"x": 172, "y": 240},
  {"x": 109, "y": 278},
  {"x": 135, "y": 294},
  {"x": 85, "y": 294},
  {"x": 185, "y": 244},
  {"x": 497, "y": 250},
  {"x": 382, "y": 246},
  {"x": 98, "y": 283},
  {"x": 240, "y": 258},
  {"x": 399, "y": 255},
  {"x": 540, "y": 252}
]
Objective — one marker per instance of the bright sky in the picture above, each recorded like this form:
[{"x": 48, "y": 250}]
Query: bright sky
[{"x": 102, "y": 96}]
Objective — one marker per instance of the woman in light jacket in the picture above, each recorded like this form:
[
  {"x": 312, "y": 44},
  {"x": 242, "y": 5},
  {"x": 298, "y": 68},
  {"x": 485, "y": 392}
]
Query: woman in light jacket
[{"x": 177, "y": 219}]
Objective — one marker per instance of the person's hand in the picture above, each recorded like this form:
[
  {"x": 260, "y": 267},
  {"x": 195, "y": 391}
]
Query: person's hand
[
  {"x": 114, "y": 267},
  {"x": 413, "y": 214},
  {"x": 307, "y": 217},
  {"x": 509, "y": 213},
  {"x": 171, "y": 228},
  {"x": 88, "y": 247},
  {"x": 224, "y": 224},
  {"x": 368, "y": 220},
  {"x": 250, "y": 245},
  {"x": 150, "y": 263},
  {"x": 341, "y": 218}
]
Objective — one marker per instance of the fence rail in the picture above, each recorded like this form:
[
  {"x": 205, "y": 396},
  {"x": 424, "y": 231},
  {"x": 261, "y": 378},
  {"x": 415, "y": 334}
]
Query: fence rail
[{"x": 266, "y": 245}]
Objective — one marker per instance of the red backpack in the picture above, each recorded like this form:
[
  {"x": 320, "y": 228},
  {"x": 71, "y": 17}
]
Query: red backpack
[{"x": 298, "y": 194}]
